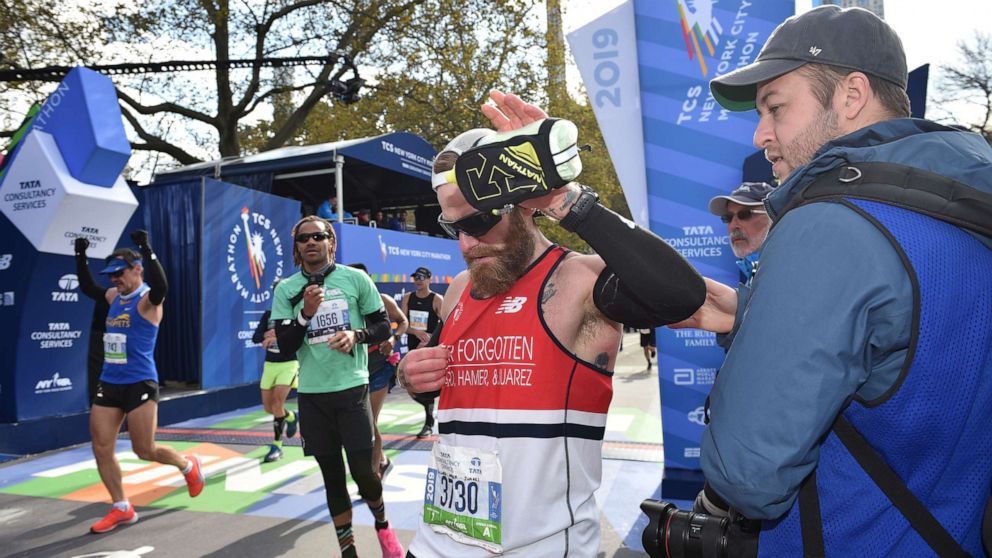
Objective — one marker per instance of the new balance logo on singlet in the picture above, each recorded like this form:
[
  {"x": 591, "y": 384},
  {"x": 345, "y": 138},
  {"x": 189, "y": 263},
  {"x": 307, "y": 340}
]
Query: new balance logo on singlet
[{"x": 511, "y": 305}]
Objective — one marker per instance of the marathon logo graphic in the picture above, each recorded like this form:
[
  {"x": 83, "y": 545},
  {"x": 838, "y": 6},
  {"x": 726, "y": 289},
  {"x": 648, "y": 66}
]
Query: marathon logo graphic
[
  {"x": 253, "y": 242},
  {"x": 54, "y": 385},
  {"x": 699, "y": 27},
  {"x": 704, "y": 36},
  {"x": 68, "y": 283}
]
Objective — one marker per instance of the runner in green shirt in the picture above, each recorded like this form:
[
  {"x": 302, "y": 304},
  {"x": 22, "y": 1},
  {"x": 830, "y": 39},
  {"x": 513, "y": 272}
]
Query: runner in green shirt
[{"x": 326, "y": 313}]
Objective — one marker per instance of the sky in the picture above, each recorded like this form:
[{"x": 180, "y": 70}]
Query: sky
[{"x": 929, "y": 29}]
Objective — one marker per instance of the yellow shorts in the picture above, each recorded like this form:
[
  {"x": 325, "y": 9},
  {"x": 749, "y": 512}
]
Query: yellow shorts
[{"x": 280, "y": 374}]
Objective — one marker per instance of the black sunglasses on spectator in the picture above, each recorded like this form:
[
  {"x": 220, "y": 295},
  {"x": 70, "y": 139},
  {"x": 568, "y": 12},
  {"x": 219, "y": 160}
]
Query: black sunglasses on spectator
[
  {"x": 302, "y": 238},
  {"x": 475, "y": 225},
  {"x": 742, "y": 215}
]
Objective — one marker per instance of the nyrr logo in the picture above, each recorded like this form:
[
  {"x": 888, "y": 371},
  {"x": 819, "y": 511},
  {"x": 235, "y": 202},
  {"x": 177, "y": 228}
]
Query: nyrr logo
[
  {"x": 56, "y": 384},
  {"x": 700, "y": 29},
  {"x": 511, "y": 305},
  {"x": 68, "y": 283},
  {"x": 251, "y": 245}
]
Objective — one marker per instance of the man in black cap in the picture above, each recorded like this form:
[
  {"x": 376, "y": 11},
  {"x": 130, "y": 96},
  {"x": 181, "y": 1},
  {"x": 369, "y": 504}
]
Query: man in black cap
[
  {"x": 422, "y": 309},
  {"x": 852, "y": 411},
  {"x": 747, "y": 223}
]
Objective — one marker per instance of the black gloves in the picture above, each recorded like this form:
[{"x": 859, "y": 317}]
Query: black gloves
[
  {"x": 81, "y": 245},
  {"x": 140, "y": 238}
]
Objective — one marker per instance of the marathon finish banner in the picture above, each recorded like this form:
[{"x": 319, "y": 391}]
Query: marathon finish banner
[
  {"x": 694, "y": 150},
  {"x": 246, "y": 246},
  {"x": 45, "y": 320}
]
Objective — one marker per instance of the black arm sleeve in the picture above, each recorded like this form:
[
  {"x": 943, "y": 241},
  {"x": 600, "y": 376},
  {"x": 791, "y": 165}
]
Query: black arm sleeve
[
  {"x": 86, "y": 282},
  {"x": 289, "y": 336},
  {"x": 646, "y": 283},
  {"x": 263, "y": 325},
  {"x": 376, "y": 328},
  {"x": 154, "y": 276}
]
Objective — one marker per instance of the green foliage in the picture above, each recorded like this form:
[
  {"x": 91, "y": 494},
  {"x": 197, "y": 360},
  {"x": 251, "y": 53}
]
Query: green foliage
[
  {"x": 442, "y": 62},
  {"x": 35, "y": 33}
]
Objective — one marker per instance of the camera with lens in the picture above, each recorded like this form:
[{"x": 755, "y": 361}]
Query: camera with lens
[{"x": 675, "y": 533}]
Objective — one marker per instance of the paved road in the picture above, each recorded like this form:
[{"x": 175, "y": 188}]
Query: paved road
[{"x": 250, "y": 509}]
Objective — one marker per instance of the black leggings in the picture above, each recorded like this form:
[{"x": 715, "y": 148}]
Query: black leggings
[{"x": 335, "y": 485}]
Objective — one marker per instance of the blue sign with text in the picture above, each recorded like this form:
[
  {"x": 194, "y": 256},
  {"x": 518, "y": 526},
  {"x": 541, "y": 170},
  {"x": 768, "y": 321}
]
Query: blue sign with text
[
  {"x": 392, "y": 256},
  {"x": 246, "y": 247},
  {"x": 694, "y": 150},
  {"x": 46, "y": 322}
]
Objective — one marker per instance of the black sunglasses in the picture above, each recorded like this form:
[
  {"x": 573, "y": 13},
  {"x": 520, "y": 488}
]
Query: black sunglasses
[
  {"x": 475, "y": 225},
  {"x": 116, "y": 274},
  {"x": 742, "y": 215},
  {"x": 302, "y": 238}
]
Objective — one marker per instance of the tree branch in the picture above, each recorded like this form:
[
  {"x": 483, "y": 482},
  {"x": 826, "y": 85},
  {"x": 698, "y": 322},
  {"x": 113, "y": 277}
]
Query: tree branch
[
  {"x": 276, "y": 91},
  {"x": 261, "y": 32},
  {"x": 155, "y": 143},
  {"x": 166, "y": 107}
]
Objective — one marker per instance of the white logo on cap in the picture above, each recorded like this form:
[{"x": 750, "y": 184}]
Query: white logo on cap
[{"x": 815, "y": 51}]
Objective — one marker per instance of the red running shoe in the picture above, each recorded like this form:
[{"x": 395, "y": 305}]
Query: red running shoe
[
  {"x": 113, "y": 519},
  {"x": 194, "y": 478},
  {"x": 391, "y": 547}
]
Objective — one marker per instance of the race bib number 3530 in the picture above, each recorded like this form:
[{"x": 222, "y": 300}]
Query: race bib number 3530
[{"x": 463, "y": 496}]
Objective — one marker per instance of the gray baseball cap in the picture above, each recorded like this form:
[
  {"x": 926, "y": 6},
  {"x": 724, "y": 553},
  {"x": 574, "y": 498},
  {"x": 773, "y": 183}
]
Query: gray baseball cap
[
  {"x": 748, "y": 193},
  {"x": 852, "y": 38}
]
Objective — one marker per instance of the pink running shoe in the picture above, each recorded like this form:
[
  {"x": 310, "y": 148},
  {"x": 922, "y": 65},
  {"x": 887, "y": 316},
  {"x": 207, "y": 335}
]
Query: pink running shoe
[{"x": 391, "y": 547}]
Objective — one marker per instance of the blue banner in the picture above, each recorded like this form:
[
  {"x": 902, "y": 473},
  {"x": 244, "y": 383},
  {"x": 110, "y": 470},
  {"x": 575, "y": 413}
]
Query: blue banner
[
  {"x": 45, "y": 322},
  {"x": 246, "y": 246},
  {"x": 392, "y": 257},
  {"x": 694, "y": 150}
]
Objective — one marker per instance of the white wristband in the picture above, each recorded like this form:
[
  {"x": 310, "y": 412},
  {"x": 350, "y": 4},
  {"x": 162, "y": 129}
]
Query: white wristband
[{"x": 301, "y": 320}]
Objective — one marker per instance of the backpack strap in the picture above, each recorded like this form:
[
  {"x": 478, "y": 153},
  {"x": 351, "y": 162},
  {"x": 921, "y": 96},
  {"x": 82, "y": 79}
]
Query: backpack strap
[
  {"x": 903, "y": 186},
  {"x": 919, "y": 517}
]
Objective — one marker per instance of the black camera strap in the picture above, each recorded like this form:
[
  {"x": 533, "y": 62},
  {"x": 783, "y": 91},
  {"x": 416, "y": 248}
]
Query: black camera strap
[
  {"x": 896, "y": 491},
  {"x": 987, "y": 528}
]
